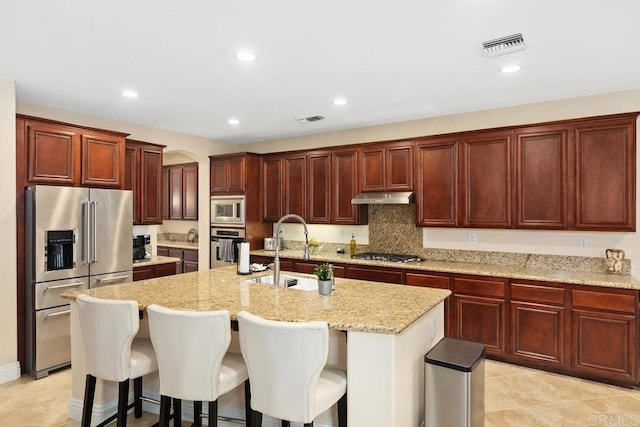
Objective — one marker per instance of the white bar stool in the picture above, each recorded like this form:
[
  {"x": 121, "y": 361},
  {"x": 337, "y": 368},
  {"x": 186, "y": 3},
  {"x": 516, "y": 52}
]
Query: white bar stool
[
  {"x": 193, "y": 360},
  {"x": 112, "y": 353},
  {"x": 286, "y": 363}
]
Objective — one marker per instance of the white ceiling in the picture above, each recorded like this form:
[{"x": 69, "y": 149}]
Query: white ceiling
[{"x": 393, "y": 60}]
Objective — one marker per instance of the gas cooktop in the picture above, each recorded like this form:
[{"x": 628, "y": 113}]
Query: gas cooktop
[{"x": 375, "y": 256}]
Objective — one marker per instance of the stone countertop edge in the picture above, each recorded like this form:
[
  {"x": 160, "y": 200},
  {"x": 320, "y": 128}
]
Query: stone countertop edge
[
  {"x": 176, "y": 244},
  {"x": 354, "y": 305},
  {"x": 506, "y": 271},
  {"x": 156, "y": 260}
]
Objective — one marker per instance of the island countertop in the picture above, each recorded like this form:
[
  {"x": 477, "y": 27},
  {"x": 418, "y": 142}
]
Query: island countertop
[{"x": 354, "y": 305}]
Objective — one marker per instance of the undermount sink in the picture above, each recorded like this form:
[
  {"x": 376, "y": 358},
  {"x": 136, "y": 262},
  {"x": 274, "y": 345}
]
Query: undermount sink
[{"x": 292, "y": 282}]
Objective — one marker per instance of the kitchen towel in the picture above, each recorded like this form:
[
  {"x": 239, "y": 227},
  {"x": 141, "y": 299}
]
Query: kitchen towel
[
  {"x": 243, "y": 259},
  {"x": 225, "y": 246}
]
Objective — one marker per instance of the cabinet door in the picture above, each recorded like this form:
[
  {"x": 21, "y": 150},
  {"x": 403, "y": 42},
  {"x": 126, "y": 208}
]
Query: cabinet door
[
  {"x": 604, "y": 344},
  {"x": 541, "y": 177},
  {"x": 605, "y": 176},
  {"x": 168, "y": 269},
  {"x": 372, "y": 169},
  {"x": 52, "y": 154},
  {"x": 143, "y": 273},
  {"x": 150, "y": 192},
  {"x": 481, "y": 319},
  {"x": 319, "y": 200},
  {"x": 399, "y": 167},
  {"x": 537, "y": 333},
  {"x": 486, "y": 181},
  {"x": 189, "y": 266},
  {"x": 437, "y": 183},
  {"x": 163, "y": 251},
  {"x": 166, "y": 199},
  {"x": 237, "y": 174},
  {"x": 386, "y": 275},
  {"x": 102, "y": 160},
  {"x": 190, "y": 192},
  {"x": 175, "y": 193},
  {"x": 131, "y": 173},
  {"x": 219, "y": 176},
  {"x": 345, "y": 187},
  {"x": 295, "y": 185},
  {"x": 272, "y": 188}
]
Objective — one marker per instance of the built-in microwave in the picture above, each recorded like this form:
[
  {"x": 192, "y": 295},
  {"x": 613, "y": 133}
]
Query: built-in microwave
[{"x": 227, "y": 210}]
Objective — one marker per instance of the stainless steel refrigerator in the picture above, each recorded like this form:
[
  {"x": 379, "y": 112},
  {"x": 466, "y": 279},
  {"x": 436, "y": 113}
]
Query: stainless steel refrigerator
[{"x": 75, "y": 238}]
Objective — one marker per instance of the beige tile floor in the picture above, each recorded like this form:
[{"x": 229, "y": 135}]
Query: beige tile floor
[{"x": 514, "y": 396}]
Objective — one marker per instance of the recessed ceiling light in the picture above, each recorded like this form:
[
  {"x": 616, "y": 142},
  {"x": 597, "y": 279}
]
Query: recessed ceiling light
[
  {"x": 129, "y": 94},
  {"x": 510, "y": 69},
  {"x": 233, "y": 122},
  {"x": 339, "y": 101},
  {"x": 245, "y": 56}
]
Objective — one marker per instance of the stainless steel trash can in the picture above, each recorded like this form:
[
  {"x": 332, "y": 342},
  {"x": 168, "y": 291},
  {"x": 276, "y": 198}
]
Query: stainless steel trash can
[{"x": 454, "y": 384}]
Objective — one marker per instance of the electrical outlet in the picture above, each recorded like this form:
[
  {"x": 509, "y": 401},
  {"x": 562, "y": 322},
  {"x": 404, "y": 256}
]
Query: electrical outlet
[
  {"x": 472, "y": 237},
  {"x": 584, "y": 242},
  {"x": 340, "y": 233}
]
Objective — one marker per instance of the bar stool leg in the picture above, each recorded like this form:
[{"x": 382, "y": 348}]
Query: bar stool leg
[
  {"x": 308, "y": 424},
  {"x": 137, "y": 397},
  {"x": 89, "y": 393},
  {"x": 123, "y": 402},
  {"x": 285, "y": 423},
  {"x": 247, "y": 403},
  {"x": 213, "y": 413},
  {"x": 256, "y": 418},
  {"x": 197, "y": 414},
  {"x": 165, "y": 408},
  {"x": 342, "y": 411},
  {"x": 177, "y": 413}
]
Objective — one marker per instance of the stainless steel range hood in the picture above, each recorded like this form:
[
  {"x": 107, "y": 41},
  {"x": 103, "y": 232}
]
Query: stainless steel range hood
[{"x": 386, "y": 198}]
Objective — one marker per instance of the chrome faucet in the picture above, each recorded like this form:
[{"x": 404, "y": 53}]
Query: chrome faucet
[{"x": 276, "y": 235}]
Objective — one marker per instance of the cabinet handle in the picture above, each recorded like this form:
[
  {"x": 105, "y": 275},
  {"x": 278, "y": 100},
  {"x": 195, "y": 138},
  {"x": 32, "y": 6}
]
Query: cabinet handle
[{"x": 112, "y": 279}]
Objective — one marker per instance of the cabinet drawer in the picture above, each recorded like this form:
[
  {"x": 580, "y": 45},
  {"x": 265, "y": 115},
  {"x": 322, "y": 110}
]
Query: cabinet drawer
[
  {"x": 625, "y": 303},
  {"x": 537, "y": 293},
  {"x": 168, "y": 269},
  {"x": 191, "y": 255},
  {"x": 428, "y": 280},
  {"x": 387, "y": 275},
  {"x": 489, "y": 287},
  {"x": 176, "y": 253},
  {"x": 143, "y": 273}
]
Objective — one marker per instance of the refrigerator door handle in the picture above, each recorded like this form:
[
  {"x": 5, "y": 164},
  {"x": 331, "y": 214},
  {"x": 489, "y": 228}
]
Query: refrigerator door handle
[
  {"x": 94, "y": 233},
  {"x": 86, "y": 243}
]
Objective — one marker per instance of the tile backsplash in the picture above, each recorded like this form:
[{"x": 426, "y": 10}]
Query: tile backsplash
[{"x": 392, "y": 229}]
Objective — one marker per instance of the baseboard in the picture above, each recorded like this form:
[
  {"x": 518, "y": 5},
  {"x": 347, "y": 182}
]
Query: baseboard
[
  {"x": 10, "y": 372},
  {"x": 100, "y": 412}
]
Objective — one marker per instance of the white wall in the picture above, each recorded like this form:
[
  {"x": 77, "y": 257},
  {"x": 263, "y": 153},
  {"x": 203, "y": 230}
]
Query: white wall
[
  {"x": 9, "y": 368},
  {"x": 546, "y": 242}
]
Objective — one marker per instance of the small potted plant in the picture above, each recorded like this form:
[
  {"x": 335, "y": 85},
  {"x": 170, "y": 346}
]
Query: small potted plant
[{"x": 324, "y": 273}]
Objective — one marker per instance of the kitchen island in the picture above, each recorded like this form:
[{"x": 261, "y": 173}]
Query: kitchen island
[{"x": 388, "y": 330}]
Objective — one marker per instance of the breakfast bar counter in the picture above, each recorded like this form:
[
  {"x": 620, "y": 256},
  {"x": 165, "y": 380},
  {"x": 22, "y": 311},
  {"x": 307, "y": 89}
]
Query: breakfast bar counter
[{"x": 388, "y": 329}]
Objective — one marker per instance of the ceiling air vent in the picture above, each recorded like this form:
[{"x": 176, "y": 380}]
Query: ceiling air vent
[
  {"x": 310, "y": 119},
  {"x": 503, "y": 45}
]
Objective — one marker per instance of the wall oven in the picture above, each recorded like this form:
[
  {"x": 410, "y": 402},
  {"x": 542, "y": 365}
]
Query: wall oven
[
  {"x": 224, "y": 245},
  {"x": 227, "y": 211}
]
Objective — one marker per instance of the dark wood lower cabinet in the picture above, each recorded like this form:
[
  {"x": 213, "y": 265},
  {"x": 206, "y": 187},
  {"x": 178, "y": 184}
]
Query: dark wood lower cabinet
[
  {"x": 537, "y": 333},
  {"x": 188, "y": 258},
  {"x": 153, "y": 271},
  {"x": 376, "y": 274},
  {"x": 482, "y": 320}
]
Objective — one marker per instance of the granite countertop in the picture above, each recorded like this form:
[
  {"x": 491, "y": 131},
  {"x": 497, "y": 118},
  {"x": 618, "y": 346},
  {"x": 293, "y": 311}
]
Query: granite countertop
[
  {"x": 507, "y": 271},
  {"x": 155, "y": 260},
  {"x": 354, "y": 305},
  {"x": 178, "y": 244}
]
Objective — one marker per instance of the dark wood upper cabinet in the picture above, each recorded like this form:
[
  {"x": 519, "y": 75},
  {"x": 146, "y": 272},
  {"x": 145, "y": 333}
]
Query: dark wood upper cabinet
[
  {"x": 228, "y": 174},
  {"x": 181, "y": 191},
  {"x": 542, "y": 163},
  {"x": 486, "y": 179},
  {"x": 64, "y": 154},
  {"x": 319, "y": 179},
  {"x": 190, "y": 192},
  {"x": 437, "y": 183},
  {"x": 345, "y": 187},
  {"x": 295, "y": 185},
  {"x": 605, "y": 174},
  {"x": 165, "y": 193},
  {"x": 386, "y": 167},
  {"x": 272, "y": 187},
  {"x": 143, "y": 175},
  {"x": 102, "y": 160}
]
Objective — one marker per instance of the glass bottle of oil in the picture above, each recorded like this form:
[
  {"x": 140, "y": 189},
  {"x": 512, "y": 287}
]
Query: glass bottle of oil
[{"x": 352, "y": 245}]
